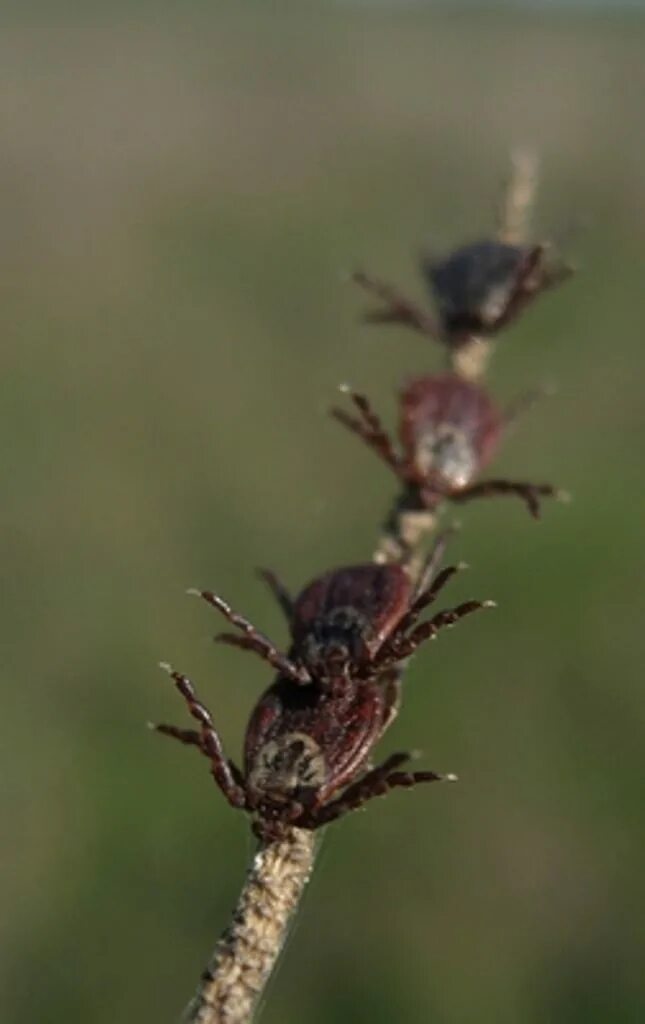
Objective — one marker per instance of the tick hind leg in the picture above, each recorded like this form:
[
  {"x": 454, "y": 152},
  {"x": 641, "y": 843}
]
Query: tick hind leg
[
  {"x": 396, "y": 308},
  {"x": 227, "y": 776},
  {"x": 377, "y": 782},
  {"x": 530, "y": 494},
  {"x": 368, "y": 427}
]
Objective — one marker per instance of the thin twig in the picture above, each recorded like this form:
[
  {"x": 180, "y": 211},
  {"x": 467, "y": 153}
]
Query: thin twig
[
  {"x": 518, "y": 199},
  {"x": 403, "y": 535},
  {"x": 513, "y": 227},
  {"x": 245, "y": 956},
  {"x": 471, "y": 359}
]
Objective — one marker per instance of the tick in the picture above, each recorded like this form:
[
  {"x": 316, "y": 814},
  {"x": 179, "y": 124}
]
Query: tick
[
  {"x": 478, "y": 289},
  {"x": 310, "y": 736},
  {"x": 449, "y": 429}
]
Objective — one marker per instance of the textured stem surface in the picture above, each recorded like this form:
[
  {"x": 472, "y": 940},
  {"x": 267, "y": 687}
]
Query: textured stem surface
[
  {"x": 246, "y": 954},
  {"x": 519, "y": 198},
  {"x": 402, "y": 536},
  {"x": 513, "y": 227}
]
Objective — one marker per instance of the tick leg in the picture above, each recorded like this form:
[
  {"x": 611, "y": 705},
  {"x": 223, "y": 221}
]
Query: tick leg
[
  {"x": 518, "y": 198},
  {"x": 397, "y": 309},
  {"x": 246, "y": 643},
  {"x": 556, "y": 275},
  {"x": 369, "y": 428},
  {"x": 427, "y": 596},
  {"x": 376, "y": 782},
  {"x": 391, "y": 685},
  {"x": 258, "y": 642},
  {"x": 528, "y": 285},
  {"x": 429, "y": 585},
  {"x": 403, "y": 647},
  {"x": 536, "y": 277},
  {"x": 523, "y": 404},
  {"x": 528, "y": 493},
  {"x": 189, "y": 736},
  {"x": 194, "y": 739},
  {"x": 430, "y": 568},
  {"x": 226, "y": 774},
  {"x": 279, "y": 591},
  {"x": 421, "y": 602}
]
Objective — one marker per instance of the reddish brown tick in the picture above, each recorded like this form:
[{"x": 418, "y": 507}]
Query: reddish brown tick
[
  {"x": 449, "y": 429},
  {"x": 478, "y": 290},
  {"x": 310, "y": 735}
]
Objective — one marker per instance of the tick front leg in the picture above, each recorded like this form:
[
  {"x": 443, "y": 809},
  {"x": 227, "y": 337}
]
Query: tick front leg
[
  {"x": 397, "y": 309},
  {"x": 530, "y": 494},
  {"x": 253, "y": 639},
  {"x": 279, "y": 591},
  {"x": 368, "y": 427},
  {"x": 405, "y": 646},
  {"x": 376, "y": 782},
  {"x": 427, "y": 596},
  {"x": 226, "y": 774},
  {"x": 523, "y": 404}
]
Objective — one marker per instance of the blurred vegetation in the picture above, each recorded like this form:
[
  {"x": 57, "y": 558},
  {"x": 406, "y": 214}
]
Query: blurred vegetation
[{"x": 180, "y": 198}]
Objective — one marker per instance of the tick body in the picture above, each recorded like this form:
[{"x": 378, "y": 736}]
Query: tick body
[
  {"x": 449, "y": 429},
  {"x": 342, "y": 619},
  {"x": 478, "y": 290},
  {"x": 309, "y": 738}
]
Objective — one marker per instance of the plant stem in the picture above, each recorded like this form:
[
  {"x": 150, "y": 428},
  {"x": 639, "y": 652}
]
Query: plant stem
[{"x": 245, "y": 956}]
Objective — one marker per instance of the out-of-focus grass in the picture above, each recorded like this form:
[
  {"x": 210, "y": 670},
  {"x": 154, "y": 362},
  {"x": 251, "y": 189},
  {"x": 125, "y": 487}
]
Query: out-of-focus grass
[{"x": 179, "y": 201}]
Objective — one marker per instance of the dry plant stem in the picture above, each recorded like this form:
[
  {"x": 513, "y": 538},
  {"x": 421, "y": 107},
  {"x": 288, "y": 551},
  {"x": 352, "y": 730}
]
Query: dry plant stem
[
  {"x": 246, "y": 955},
  {"x": 471, "y": 360},
  {"x": 513, "y": 228},
  {"x": 402, "y": 538},
  {"x": 519, "y": 198}
]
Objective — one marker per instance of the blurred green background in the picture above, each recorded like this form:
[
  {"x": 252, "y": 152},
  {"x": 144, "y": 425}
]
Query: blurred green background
[{"x": 181, "y": 195}]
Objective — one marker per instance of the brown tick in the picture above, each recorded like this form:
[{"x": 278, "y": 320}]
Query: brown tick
[
  {"x": 310, "y": 735},
  {"x": 449, "y": 429},
  {"x": 478, "y": 289}
]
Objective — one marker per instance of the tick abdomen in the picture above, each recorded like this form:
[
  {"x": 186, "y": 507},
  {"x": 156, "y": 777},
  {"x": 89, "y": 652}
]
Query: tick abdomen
[
  {"x": 285, "y": 765},
  {"x": 445, "y": 451}
]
